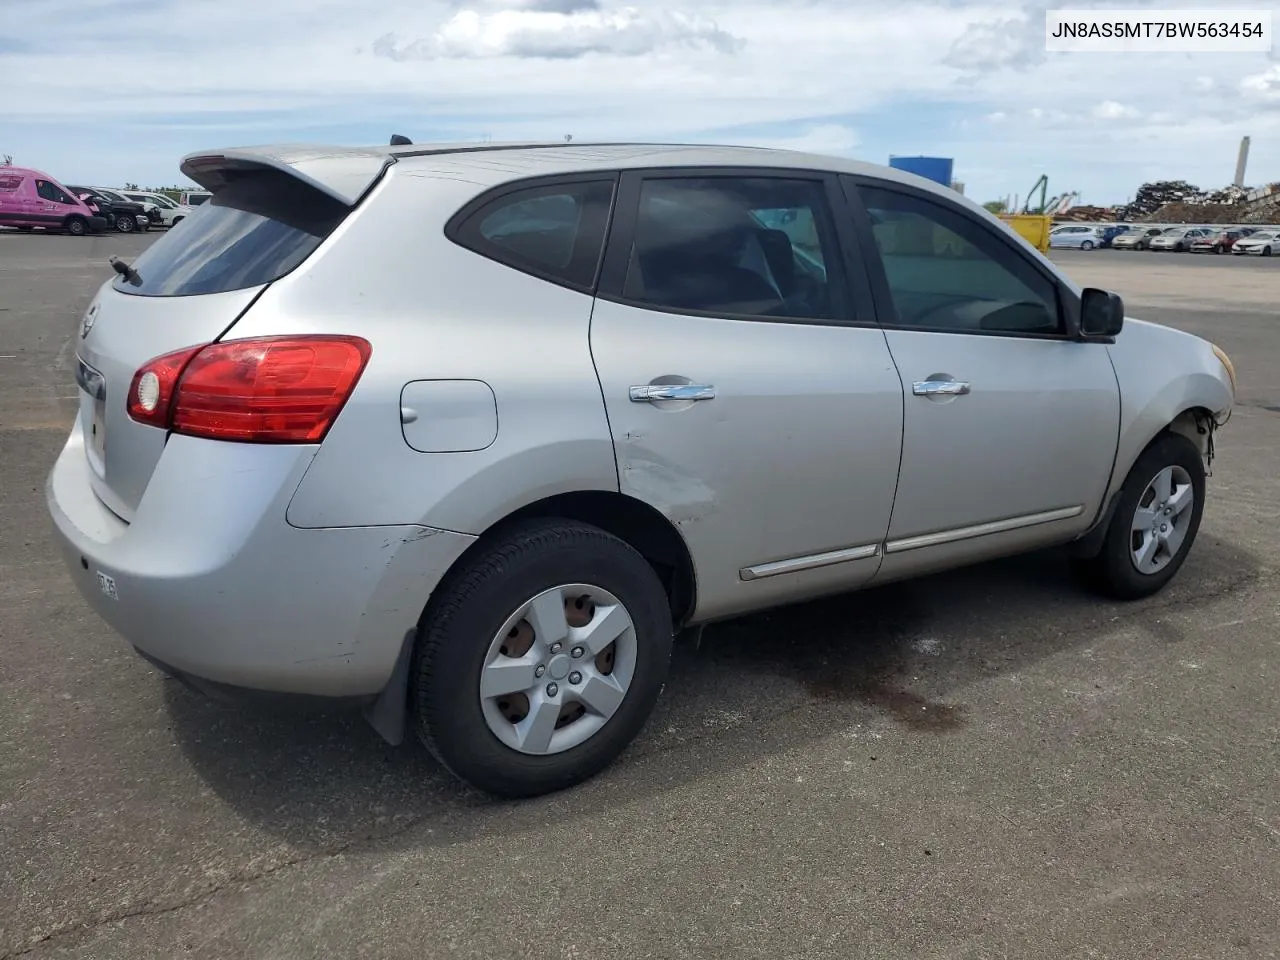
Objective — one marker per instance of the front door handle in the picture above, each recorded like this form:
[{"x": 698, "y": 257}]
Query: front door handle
[
  {"x": 940, "y": 388},
  {"x": 672, "y": 391}
]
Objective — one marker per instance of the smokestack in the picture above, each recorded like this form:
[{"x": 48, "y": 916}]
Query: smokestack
[{"x": 1242, "y": 161}]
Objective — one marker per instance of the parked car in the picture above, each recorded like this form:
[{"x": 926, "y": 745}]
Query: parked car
[
  {"x": 149, "y": 208},
  {"x": 31, "y": 199},
  {"x": 1262, "y": 243},
  {"x": 1178, "y": 239},
  {"x": 390, "y": 446},
  {"x": 1136, "y": 238},
  {"x": 168, "y": 212},
  {"x": 193, "y": 198},
  {"x": 125, "y": 215},
  {"x": 1076, "y": 237},
  {"x": 1219, "y": 242},
  {"x": 1110, "y": 232}
]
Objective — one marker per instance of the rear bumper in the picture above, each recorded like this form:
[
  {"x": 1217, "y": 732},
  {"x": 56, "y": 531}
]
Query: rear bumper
[{"x": 211, "y": 582}]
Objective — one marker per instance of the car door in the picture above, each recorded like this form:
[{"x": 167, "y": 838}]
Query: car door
[
  {"x": 1010, "y": 424},
  {"x": 751, "y": 396}
]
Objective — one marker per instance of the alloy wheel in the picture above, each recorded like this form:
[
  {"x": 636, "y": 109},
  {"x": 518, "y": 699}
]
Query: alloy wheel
[
  {"x": 558, "y": 669},
  {"x": 1161, "y": 519}
]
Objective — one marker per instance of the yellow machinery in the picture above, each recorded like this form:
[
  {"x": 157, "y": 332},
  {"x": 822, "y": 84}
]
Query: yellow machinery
[
  {"x": 1034, "y": 228},
  {"x": 1034, "y": 225}
]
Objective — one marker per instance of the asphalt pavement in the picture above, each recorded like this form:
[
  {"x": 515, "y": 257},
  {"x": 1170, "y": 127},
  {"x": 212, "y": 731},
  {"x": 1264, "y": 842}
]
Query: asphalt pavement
[{"x": 985, "y": 764}]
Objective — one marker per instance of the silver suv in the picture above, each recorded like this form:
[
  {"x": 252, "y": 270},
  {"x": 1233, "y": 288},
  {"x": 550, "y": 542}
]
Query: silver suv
[{"x": 467, "y": 434}]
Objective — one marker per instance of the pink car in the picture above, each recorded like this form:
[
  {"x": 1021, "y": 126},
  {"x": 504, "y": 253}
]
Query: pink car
[{"x": 30, "y": 198}]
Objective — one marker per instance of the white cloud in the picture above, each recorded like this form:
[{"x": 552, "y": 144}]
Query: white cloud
[
  {"x": 1263, "y": 86},
  {"x": 1112, "y": 110},
  {"x": 559, "y": 29}
]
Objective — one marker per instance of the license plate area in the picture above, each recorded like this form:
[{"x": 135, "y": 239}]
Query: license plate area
[{"x": 93, "y": 414}]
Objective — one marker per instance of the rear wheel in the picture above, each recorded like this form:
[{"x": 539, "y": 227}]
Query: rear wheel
[
  {"x": 1155, "y": 522},
  {"x": 76, "y": 226},
  {"x": 541, "y": 659},
  {"x": 1087, "y": 245}
]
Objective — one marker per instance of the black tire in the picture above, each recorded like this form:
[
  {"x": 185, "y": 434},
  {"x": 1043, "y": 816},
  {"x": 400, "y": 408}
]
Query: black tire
[
  {"x": 1179, "y": 248},
  {"x": 176, "y": 221},
  {"x": 1113, "y": 572},
  {"x": 76, "y": 226},
  {"x": 469, "y": 609},
  {"x": 125, "y": 223},
  {"x": 1266, "y": 251},
  {"x": 25, "y": 229}
]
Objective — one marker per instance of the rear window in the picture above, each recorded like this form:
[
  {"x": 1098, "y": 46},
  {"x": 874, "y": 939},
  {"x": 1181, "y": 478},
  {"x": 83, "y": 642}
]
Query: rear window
[{"x": 254, "y": 231}]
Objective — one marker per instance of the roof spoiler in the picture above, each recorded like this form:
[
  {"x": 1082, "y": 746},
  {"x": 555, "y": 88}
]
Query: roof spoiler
[{"x": 342, "y": 173}]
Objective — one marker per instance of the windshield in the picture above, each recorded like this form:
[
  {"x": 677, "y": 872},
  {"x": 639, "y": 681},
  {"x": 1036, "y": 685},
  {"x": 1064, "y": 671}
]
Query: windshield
[
  {"x": 1263, "y": 235},
  {"x": 256, "y": 230}
]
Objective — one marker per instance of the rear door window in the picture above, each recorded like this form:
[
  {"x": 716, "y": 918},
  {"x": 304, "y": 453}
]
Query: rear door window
[
  {"x": 253, "y": 232},
  {"x": 749, "y": 247},
  {"x": 554, "y": 231}
]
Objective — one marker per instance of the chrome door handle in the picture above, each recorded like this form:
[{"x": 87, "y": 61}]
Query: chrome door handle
[
  {"x": 672, "y": 391},
  {"x": 940, "y": 388}
]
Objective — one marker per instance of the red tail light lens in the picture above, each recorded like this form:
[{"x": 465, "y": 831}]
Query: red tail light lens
[
  {"x": 260, "y": 390},
  {"x": 151, "y": 392}
]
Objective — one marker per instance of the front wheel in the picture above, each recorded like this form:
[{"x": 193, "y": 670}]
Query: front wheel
[
  {"x": 1155, "y": 522},
  {"x": 126, "y": 223},
  {"x": 1087, "y": 245},
  {"x": 539, "y": 660},
  {"x": 1266, "y": 251}
]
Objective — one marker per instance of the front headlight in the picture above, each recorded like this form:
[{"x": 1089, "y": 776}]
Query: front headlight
[{"x": 1226, "y": 362}]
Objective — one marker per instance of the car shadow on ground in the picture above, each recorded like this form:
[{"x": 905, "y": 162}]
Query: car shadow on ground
[{"x": 905, "y": 653}]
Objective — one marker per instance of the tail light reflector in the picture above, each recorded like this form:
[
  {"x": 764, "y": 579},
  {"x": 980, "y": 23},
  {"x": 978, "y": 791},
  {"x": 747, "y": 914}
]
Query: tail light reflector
[{"x": 285, "y": 389}]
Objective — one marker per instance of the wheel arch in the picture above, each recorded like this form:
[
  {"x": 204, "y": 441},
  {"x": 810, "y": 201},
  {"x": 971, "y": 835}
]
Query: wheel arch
[{"x": 633, "y": 521}]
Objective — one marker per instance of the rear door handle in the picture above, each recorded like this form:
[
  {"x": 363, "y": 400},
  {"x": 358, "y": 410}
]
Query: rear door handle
[
  {"x": 940, "y": 388},
  {"x": 672, "y": 391}
]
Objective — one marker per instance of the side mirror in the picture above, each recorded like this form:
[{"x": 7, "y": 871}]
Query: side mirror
[{"x": 1101, "y": 313}]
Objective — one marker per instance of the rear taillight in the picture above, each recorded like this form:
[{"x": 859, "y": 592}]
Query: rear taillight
[{"x": 260, "y": 390}]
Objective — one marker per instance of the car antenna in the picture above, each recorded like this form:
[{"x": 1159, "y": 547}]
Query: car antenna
[
  {"x": 400, "y": 140},
  {"x": 126, "y": 271}
]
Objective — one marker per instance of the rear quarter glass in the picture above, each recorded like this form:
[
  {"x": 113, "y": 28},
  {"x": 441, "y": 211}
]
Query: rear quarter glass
[{"x": 253, "y": 232}]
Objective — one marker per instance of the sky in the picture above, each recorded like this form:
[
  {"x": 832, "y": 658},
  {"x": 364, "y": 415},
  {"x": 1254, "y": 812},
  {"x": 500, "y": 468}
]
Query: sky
[{"x": 115, "y": 91}]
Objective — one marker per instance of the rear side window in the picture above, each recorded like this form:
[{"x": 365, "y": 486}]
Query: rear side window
[
  {"x": 554, "y": 231},
  {"x": 254, "y": 231},
  {"x": 734, "y": 246},
  {"x": 9, "y": 182}
]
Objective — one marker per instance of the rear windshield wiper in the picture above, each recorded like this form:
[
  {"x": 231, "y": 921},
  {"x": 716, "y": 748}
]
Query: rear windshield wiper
[{"x": 126, "y": 271}]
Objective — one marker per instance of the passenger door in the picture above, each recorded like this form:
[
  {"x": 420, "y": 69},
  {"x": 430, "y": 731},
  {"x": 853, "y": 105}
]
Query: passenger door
[
  {"x": 751, "y": 397},
  {"x": 1010, "y": 425}
]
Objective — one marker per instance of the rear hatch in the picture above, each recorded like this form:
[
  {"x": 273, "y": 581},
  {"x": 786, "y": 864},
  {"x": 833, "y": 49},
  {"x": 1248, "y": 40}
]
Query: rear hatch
[{"x": 191, "y": 286}]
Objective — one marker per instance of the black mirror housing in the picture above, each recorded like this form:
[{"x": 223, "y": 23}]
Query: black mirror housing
[{"x": 1101, "y": 313}]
